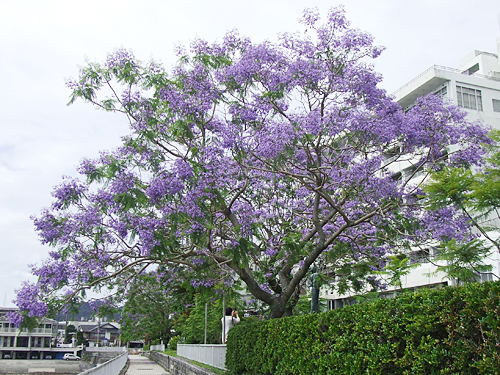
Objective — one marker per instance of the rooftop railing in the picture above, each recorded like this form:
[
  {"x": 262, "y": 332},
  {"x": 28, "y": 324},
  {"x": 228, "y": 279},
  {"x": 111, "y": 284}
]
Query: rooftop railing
[
  {"x": 34, "y": 330},
  {"x": 445, "y": 68}
]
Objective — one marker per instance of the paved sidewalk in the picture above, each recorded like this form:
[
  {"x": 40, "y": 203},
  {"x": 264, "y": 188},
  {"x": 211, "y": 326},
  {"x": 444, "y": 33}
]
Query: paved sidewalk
[{"x": 140, "y": 365}]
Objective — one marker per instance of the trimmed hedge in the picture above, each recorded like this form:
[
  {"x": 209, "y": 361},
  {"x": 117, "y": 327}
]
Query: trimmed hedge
[{"x": 454, "y": 330}]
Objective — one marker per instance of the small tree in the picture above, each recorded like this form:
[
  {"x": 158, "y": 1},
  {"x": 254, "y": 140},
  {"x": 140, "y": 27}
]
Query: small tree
[
  {"x": 193, "y": 326},
  {"x": 80, "y": 339},
  {"x": 68, "y": 333},
  {"x": 476, "y": 193},
  {"x": 147, "y": 310}
]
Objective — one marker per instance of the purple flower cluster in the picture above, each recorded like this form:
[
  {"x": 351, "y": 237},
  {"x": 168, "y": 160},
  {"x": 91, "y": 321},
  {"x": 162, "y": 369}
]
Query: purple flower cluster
[
  {"x": 119, "y": 58},
  {"x": 202, "y": 283},
  {"x": 69, "y": 191},
  {"x": 28, "y": 299}
]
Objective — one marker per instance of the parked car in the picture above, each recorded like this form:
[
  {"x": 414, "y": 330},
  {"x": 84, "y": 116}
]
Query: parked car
[
  {"x": 7, "y": 356},
  {"x": 48, "y": 357},
  {"x": 71, "y": 357}
]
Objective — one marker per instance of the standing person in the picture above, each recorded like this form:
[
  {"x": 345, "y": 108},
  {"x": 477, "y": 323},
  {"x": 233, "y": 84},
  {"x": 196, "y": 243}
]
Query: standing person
[{"x": 228, "y": 321}]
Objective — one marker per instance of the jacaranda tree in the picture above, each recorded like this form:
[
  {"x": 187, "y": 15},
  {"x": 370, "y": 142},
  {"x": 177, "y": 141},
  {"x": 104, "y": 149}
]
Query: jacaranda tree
[{"x": 251, "y": 162}]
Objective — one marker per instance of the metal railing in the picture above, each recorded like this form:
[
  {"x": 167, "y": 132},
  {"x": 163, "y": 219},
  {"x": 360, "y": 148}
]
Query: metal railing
[
  {"x": 106, "y": 349},
  {"x": 3, "y": 329},
  {"x": 34, "y": 330},
  {"x": 111, "y": 367}
]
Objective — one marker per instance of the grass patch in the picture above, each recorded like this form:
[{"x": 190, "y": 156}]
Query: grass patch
[
  {"x": 171, "y": 353},
  {"x": 218, "y": 371}
]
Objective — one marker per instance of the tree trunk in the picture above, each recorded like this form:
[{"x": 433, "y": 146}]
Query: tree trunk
[{"x": 278, "y": 308}]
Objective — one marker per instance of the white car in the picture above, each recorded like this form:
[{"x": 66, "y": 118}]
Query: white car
[{"x": 71, "y": 357}]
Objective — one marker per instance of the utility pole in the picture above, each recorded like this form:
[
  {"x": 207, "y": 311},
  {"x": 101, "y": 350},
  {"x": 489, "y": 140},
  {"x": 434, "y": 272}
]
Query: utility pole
[
  {"x": 98, "y": 330},
  {"x": 314, "y": 289},
  {"x": 223, "y": 319},
  {"x": 206, "y": 321}
]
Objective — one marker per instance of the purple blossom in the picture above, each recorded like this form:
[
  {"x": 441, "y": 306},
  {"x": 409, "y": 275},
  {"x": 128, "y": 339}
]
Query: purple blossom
[
  {"x": 28, "y": 300},
  {"x": 69, "y": 191},
  {"x": 202, "y": 283},
  {"x": 119, "y": 58}
]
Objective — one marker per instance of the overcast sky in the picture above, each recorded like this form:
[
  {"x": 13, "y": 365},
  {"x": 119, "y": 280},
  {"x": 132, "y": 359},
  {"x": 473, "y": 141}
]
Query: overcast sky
[{"x": 43, "y": 42}]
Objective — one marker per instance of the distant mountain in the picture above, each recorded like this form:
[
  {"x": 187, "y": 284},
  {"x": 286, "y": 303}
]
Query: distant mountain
[{"x": 84, "y": 311}]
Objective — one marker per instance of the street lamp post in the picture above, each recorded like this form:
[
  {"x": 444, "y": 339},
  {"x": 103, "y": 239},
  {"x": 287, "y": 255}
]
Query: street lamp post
[{"x": 98, "y": 330}]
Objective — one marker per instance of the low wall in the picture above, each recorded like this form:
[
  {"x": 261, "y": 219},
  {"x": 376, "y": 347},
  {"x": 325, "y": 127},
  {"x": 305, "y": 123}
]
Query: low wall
[
  {"x": 211, "y": 354},
  {"x": 160, "y": 348},
  {"x": 177, "y": 366},
  {"x": 111, "y": 367},
  {"x": 42, "y": 367}
]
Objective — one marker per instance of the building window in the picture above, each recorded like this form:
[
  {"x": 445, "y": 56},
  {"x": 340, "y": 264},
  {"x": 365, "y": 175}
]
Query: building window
[
  {"x": 419, "y": 257},
  {"x": 442, "y": 92},
  {"x": 469, "y": 98},
  {"x": 473, "y": 69},
  {"x": 496, "y": 105},
  {"x": 486, "y": 277}
]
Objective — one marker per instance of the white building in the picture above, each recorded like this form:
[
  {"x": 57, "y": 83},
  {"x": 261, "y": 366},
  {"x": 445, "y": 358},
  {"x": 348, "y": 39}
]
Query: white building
[
  {"x": 23, "y": 344},
  {"x": 39, "y": 343},
  {"x": 474, "y": 86}
]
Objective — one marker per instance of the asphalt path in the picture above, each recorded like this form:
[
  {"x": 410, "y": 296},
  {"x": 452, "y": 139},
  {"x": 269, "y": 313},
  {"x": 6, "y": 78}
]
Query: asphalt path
[{"x": 139, "y": 365}]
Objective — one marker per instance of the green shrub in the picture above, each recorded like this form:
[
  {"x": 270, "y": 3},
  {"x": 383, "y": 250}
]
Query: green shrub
[
  {"x": 454, "y": 330},
  {"x": 172, "y": 344}
]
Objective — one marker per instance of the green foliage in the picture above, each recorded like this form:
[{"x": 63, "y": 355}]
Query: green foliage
[
  {"x": 463, "y": 261},
  {"x": 454, "y": 330},
  {"x": 79, "y": 338},
  {"x": 396, "y": 269},
  {"x": 192, "y": 324},
  {"x": 475, "y": 192},
  {"x": 70, "y": 329},
  {"x": 303, "y": 306},
  {"x": 29, "y": 323},
  {"x": 486, "y": 192},
  {"x": 172, "y": 345},
  {"x": 146, "y": 312}
]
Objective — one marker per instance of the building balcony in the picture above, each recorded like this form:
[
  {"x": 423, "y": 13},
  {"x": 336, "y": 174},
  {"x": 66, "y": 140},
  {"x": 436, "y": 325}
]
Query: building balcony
[
  {"x": 9, "y": 330},
  {"x": 46, "y": 331}
]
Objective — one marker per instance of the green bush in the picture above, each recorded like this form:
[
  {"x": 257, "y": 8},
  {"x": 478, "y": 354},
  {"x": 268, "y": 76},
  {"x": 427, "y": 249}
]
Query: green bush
[
  {"x": 172, "y": 344},
  {"x": 454, "y": 330}
]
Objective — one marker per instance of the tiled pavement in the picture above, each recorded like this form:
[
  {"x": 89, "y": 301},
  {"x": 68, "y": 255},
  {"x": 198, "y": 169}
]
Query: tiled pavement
[{"x": 140, "y": 365}]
